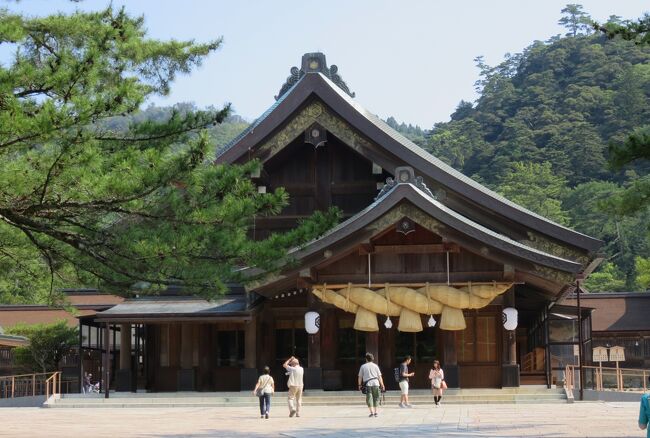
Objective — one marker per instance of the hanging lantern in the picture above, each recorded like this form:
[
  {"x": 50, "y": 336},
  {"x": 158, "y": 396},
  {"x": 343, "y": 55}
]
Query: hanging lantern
[
  {"x": 431, "y": 322},
  {"x": 312, "y": 322},
  {"x": 388, "y": 324},
  {"x": 509, "y": 318}
]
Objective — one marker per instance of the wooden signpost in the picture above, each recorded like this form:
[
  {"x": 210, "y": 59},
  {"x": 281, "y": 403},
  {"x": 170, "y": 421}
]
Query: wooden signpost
[
  {"x": 599, "y": 355},
  {"x": 617, "y": 354}
]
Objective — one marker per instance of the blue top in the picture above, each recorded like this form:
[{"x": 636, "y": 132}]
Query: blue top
[{"x": 644, "y": 413}]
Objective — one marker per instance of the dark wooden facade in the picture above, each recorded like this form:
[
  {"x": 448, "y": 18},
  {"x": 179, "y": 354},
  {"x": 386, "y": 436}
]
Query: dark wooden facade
[{"x": 326, "y": 151}]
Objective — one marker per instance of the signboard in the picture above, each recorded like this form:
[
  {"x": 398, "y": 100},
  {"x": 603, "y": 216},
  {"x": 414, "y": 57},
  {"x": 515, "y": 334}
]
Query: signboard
[
  {"x": 600, "y": 354},
  {"x": 617, "y": 354}
]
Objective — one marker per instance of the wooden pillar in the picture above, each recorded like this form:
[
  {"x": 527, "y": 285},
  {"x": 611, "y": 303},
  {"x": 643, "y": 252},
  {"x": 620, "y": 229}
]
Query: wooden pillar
[
  {"x": 125, "y": 346},
  {"x": 509, "y": 368},
  {"x": 186, "y": 346},
  {"x": 386, "y": 347},
  {"x": 250, "y": 350},
  {"x": 329, "y": 339},
  {"x": 313, "y": 341},
  {"x": 124, "y": 375},
  {"x": 107, "y": 358},
  {"x": 452, "y": 371},
  {"x": 512, "y": 334},
  {"x": 313, "y": 350},
  {"x": 185, "y": 376},
  {"x": 372, "y": 343}
]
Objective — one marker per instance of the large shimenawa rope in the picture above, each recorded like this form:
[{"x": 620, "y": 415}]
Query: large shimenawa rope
[{"x": 408, "y": 303}]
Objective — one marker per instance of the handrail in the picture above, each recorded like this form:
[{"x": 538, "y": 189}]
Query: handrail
[
  {"x": 53, "y": 379},
  {"x": 21, "y": 385},
  {"x": 26, "y": 375}
]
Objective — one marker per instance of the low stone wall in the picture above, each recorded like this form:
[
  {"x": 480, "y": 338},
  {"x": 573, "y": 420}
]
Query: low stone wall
[
  {"x": 23, "y": 402},
  {"x": 608, "y": 396}
]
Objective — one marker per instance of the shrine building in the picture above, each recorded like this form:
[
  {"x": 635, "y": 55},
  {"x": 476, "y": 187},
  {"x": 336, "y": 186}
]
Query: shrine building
[{"x": 425, "y": 262}]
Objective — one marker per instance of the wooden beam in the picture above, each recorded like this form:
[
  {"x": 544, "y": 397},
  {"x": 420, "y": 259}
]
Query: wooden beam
[
  {"x": 417, "y": 285},
  {"x": 431, "y": 248},
  {"x": 420, "y": 277}
]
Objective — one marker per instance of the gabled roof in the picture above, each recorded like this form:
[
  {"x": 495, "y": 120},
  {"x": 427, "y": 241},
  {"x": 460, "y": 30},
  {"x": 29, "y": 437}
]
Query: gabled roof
[
  {"x": 386, "y": 137},
  {"x": 421, "y": 198},
  {"x": 184, "y": 307}
]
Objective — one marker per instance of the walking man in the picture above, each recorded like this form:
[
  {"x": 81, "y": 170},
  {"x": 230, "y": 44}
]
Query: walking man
[
  {"x": 370, "y": 377},
  {"x": 404, "y": 382},
  {"x": 295, "y": 383}
]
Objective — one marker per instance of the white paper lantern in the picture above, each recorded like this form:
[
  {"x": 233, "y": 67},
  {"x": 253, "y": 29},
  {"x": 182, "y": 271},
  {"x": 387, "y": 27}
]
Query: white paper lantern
[
  {"x": 509, "y": 318},
  {"x": 431, "y": 322},
  {"x": 312, "y": 322},
  {"x": 388, "y": 324}
]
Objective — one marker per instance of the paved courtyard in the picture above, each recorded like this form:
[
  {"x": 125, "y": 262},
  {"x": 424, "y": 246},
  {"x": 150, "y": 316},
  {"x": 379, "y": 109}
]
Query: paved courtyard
[{"x": 595, "y": 419}]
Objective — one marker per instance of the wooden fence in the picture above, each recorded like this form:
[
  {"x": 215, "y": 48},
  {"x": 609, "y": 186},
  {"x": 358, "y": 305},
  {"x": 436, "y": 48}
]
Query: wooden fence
[
  {"x": 607, "y": 378},
  {"x": 25, "y": 385}
]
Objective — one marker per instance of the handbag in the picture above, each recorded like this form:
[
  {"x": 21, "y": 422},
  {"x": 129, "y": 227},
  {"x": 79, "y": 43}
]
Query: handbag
[
  {"x": 443, "y": 385},
  {"x": 364, "y": 387}
]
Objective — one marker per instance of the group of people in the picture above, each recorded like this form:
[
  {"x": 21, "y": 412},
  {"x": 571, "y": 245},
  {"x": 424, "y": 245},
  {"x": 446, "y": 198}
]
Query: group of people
[
  {"x": 369, "y": 380},
  {"x": 265, "y": 387}
]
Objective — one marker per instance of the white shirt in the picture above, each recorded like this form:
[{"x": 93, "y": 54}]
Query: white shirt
[
  {"x": 295, "y": 375},
  {"x": 369, "y": 373}
]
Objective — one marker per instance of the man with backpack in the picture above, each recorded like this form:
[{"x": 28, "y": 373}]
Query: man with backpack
[{"x": 403, "y": 380}]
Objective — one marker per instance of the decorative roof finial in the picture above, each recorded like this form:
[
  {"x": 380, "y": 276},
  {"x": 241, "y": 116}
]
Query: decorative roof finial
[
  {"x": 314, "y": 63},
  {"x": 404, "y": 175}
]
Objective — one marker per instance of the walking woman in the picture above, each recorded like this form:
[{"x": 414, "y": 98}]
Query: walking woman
[
  {"x": 264, "y": 389},
  {"x": 437, "y": 377}
]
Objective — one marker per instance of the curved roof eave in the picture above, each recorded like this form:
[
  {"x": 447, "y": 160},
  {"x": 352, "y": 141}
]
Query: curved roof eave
[
  {"x": 382, "y": 134},
  {"x": 440, "y": 212}
]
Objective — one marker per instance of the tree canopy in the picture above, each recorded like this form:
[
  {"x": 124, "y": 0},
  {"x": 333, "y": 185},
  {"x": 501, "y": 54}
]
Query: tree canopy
[
  {"x": 48, "y": 344},
  {"x": 83, "y": 201},
  {"x": 564, "y": 109}
]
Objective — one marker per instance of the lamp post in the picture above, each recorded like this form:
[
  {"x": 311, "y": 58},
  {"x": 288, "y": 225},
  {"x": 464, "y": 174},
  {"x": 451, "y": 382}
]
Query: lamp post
[{"x": 580, "y": 352}]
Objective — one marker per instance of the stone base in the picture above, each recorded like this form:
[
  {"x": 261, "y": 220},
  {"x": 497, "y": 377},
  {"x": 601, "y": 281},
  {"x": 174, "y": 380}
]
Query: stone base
[
  {"x": 185, "y": 380},
  {"x": 510, "y": 376},
  {"x": 248, "y": 378},
  {"x": 452, "y": 376},
  {"x": 124, "y": 381},
  {"x": 313, "y": 378}
]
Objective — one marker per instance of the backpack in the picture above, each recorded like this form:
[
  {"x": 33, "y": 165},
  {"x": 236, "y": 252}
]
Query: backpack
[{"x": 397, "y": 374}]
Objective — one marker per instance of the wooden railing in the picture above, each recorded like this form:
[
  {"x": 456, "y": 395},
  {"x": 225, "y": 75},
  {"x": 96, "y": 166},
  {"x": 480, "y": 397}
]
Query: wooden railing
[
  {"x": 608, "y": 378},
  {"x": 55, "y": 381},
  {"x": 534, "y": 361},
  {"x": 24, "y": 385}
]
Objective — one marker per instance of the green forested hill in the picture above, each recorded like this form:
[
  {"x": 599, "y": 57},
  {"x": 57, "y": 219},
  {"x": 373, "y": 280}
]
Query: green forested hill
[{"x": 539, "y": 134}]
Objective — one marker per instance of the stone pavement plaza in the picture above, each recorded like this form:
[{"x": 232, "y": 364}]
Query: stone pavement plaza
[{"x": 587, "y": 419}]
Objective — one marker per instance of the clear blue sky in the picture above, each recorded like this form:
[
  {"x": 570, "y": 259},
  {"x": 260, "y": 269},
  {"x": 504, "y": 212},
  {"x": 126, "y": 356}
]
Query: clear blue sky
[{"x": 409, "y": 59}]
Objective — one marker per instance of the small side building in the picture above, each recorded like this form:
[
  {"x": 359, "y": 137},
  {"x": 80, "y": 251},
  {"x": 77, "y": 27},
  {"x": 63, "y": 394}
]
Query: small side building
[{"x": 620, "y": 319}]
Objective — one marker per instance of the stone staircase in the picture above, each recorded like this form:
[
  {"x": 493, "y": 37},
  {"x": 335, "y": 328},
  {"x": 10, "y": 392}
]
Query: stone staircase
[{"x": 524, "y": 394}]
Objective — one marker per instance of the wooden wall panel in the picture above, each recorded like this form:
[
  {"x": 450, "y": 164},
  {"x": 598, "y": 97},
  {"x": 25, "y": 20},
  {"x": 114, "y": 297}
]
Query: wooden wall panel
[{"x": 480, "y": 376}]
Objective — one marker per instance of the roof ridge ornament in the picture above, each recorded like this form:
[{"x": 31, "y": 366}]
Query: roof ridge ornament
[
  {"x": 404, "y": 175},
  {"x": 314, "y": 63}
]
